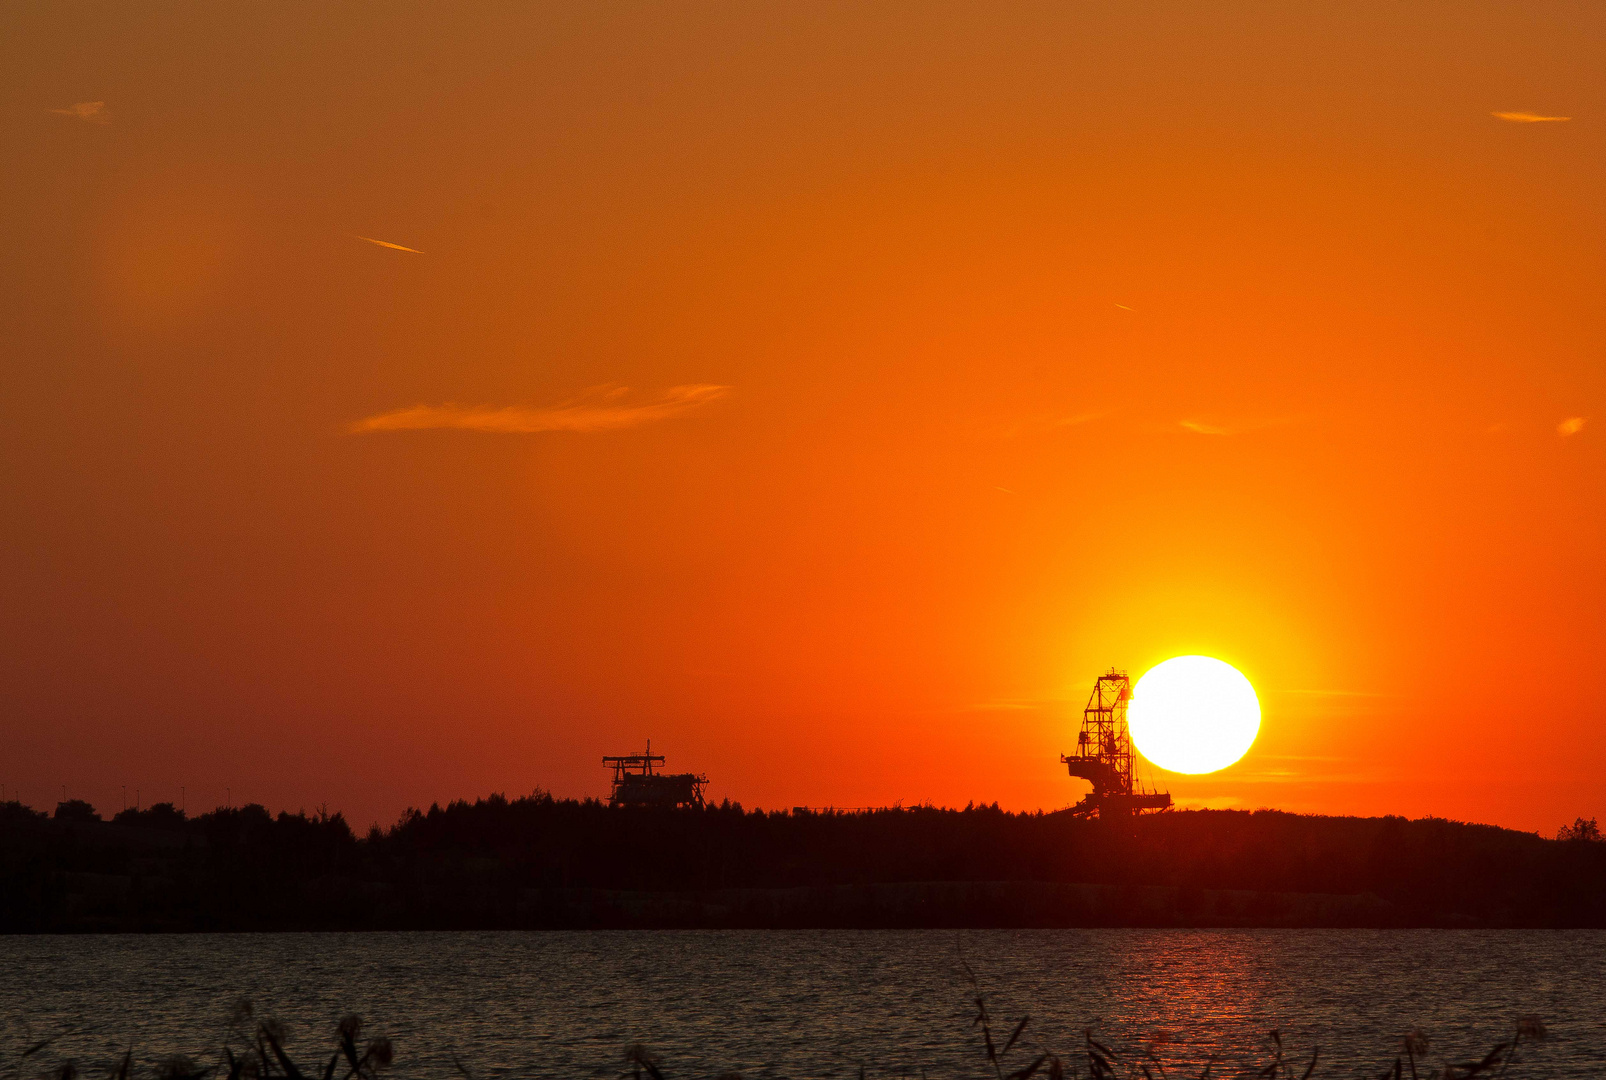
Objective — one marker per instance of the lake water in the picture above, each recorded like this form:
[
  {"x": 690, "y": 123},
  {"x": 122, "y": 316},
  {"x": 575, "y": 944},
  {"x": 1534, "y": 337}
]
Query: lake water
[{"x": 817, "y": 1003}]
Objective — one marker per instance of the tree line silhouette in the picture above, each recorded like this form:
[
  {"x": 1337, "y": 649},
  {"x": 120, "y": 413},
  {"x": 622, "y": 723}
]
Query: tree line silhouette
[{"x": 537, "y": 861}]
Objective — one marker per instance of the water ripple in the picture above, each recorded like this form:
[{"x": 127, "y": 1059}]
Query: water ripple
[{"x": 819, "y": 1003}]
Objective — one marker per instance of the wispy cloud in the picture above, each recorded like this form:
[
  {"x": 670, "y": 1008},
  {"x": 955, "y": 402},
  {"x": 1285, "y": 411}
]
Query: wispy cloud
[
  {"x": 1005, "y": 706},
  {"x": 93, "y": 112},
  {"x": 605, "y": 409},
  {"x": 1201, "y": 427},
  {"x": 1330, "y": 693},
  {"x": 1530, "y": 118},
  {"x": 1329, "y": 758},
  {"x": 1570, "y": 426},
  {"x": 388, "y": 244},
  {"x": 1211, "y": 802}
]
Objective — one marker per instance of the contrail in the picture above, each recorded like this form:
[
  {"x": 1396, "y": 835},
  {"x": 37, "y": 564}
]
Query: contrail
[
  {"x": 92, "y": 111},
  {"x": 1530, "y": 118},
  {"x": 598, "y": 411},
  {"x": 388, "y": 244}
]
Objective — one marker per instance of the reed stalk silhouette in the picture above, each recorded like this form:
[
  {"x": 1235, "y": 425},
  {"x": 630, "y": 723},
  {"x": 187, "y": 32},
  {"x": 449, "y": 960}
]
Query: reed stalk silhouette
[
  {"x": 1103, "y": 1063},
  {"x": 262, "y": 1056}
]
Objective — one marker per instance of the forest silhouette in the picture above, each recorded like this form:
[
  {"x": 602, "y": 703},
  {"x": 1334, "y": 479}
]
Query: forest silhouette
[{"x": 541, "y": 862}]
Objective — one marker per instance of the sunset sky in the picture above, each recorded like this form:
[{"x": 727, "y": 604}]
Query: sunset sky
[{"x": 404, "y": 402}]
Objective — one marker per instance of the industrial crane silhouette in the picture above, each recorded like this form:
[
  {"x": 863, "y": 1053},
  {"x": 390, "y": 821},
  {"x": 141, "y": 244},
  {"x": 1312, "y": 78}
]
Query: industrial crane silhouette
[
  {"x": 1104, "y": 755},
  {"x": 637, "y": 782}
]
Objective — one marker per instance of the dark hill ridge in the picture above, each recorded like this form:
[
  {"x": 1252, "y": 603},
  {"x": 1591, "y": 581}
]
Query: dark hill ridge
[{"x": 541, "y": 862}]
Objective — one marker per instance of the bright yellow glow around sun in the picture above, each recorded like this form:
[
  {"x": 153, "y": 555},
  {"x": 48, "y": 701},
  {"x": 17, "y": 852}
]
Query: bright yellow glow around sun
[{"x": 1193, "y": 714}]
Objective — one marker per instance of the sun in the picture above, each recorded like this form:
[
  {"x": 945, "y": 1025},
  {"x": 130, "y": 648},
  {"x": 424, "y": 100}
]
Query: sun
[{"x": 1193, "y": 714}]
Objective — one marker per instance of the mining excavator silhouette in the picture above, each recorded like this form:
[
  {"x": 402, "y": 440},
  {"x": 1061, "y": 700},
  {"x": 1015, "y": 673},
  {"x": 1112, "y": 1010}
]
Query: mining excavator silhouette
[{"x": 1104, "y": 756}]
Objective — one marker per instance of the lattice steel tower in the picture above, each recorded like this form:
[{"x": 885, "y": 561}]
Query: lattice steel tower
[{"x": 1104, "y": 755}]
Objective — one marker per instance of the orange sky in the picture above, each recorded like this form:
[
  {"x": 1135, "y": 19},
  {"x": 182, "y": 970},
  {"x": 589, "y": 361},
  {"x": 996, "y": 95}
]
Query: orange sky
[{"x": 825, "y": 392}]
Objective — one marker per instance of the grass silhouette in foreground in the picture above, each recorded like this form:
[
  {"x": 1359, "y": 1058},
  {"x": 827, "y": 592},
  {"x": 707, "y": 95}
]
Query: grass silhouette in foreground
[
  {"x": 1102, "y": 1063},
  {"x": 262, "y": 1056}
]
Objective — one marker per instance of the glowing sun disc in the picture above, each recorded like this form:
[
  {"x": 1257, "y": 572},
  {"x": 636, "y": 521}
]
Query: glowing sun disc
[{"x": 1193, "y": 714}]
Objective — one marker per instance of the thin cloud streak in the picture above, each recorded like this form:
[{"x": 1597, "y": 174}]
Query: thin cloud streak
[
  {"x": 388, "y": 244},
  {"x": 599, "y": 413},
  {"x": 1199, "y": 427},
  {"x": 1212, "y": 802},
  {"x": 1570, "y": 426},
  {"x": 1330, "y": 693},
  {"x": 92, "y": 112},
  {"x": 1530, "y": 118},
  {"x": 1008, "y": 705}
]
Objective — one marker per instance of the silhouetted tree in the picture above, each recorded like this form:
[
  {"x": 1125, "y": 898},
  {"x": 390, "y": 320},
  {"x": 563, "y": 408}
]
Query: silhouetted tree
[
  {"x": 1582, "y": 830},
  {"x": 540, "y": 861},
  {"x": 162, "y": 815},
  {"x": 15, "y": 813},
  {"x": 75, "y": 810}
]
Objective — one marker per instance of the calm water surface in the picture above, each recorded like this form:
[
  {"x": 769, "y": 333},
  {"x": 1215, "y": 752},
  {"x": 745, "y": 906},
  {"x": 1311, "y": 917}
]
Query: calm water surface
[{"x": 818, "y": 1003}]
